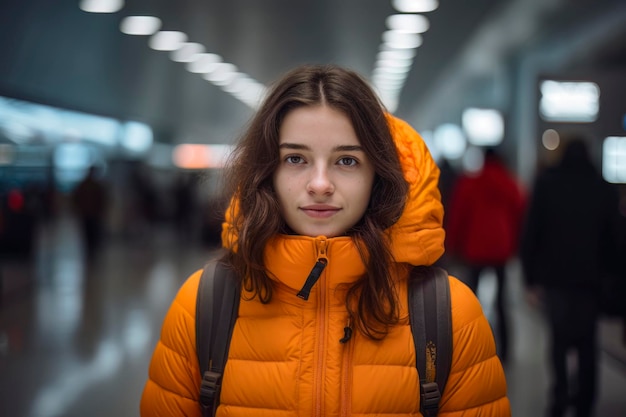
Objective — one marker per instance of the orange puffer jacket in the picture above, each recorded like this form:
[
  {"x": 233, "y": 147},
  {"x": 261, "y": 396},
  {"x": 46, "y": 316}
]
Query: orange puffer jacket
[{"x": 285, "y": 357}]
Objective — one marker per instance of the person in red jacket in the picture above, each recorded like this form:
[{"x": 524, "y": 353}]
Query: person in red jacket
[
  {"x": 333, "y": 201},
  {"x": 483, "y": 228}
]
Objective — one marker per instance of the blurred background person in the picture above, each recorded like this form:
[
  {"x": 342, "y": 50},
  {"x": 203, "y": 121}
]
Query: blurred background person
[
  {"x": 447, "y": 179},
  {"x": 185, "y": 205},
  {"x": 567, "y": 245},
  {"x": 145, "y": 207},
  {"x": 90, "y": 200},
  {"x": 483, "y": 224}
]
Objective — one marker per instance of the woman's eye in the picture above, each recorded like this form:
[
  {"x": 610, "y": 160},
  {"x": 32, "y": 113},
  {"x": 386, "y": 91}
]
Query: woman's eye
[
  {"x": 347, "y": 161},
  {"x": 294, "y": 159}
]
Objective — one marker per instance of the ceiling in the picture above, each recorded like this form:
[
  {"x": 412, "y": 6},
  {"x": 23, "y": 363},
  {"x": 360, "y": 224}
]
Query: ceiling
[{"x": 54, "y": 53}]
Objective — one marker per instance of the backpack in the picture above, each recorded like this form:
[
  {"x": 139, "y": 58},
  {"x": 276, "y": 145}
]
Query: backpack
[{"x": 217, "y": 308}]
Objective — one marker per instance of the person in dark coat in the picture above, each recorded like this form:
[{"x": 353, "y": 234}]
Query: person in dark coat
[
  {"x": 90, "y": 198},
  {"x": 569, "y": 233}
]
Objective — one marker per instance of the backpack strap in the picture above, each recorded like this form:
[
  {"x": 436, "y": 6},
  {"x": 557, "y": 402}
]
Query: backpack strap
[
  {"x": 217, "y": 306},
  {"x": 431, "y": 325}
]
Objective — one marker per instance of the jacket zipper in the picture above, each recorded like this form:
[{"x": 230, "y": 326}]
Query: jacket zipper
[{"x": 319, "y": 376}]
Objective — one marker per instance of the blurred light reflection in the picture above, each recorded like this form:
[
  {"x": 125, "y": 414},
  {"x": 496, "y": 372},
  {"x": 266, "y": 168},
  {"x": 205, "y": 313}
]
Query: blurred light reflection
[
  {"x": 137, "y": 333},
  {"x": 56, "y": 398},
  {"x": 614, "y": 159}
]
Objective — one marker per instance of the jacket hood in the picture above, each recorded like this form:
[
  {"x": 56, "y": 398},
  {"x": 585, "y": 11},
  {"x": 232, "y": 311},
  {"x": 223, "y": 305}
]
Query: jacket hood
[{"x": 418, "y": 236}]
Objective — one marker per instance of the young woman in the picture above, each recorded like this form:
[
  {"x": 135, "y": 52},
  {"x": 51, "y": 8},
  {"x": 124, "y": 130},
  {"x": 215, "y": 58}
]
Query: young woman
[{"x": 323, "y": 174}]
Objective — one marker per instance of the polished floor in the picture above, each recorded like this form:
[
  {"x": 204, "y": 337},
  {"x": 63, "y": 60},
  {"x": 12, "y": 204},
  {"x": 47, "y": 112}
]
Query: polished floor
[{"x": 76, "y": 337}]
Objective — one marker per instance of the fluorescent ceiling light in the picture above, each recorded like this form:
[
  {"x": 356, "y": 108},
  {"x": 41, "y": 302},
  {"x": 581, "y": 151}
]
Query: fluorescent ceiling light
[
  {"x": 396, "y": 54},
  {"x": 225, "y": 79},
  {"x": 394, "y": 63},
  {"x": 410, "y": 23},
  {"x": 204, "y": 63},
  {"x": 381, "y": 74},
  {"x": 253, "y": 93},
  {"x": 614, "y": 159},
  {"x": 449, "y": 140},
  {"x": 222, "y": 74},
  {"x": 140, "y": 25},
  {"x": 167, "y": 40},
  {"x": 484, "y": 127},
  {"x": 136, "y": 137},
  {"x": 222, "y": 71},
  {"x": 401, "y": 40},
  {"x": 188, "y": 52},
  {"x": 415, "y": 6},
  {"x": 397, "y": 49},
  {"x": 569, "y": 101},
  {"x": 101, "y": 6},
  {"x": 390, "y": 69},
  {"x": 384, "y": 84},
  {"x": 240, "y": 85}
]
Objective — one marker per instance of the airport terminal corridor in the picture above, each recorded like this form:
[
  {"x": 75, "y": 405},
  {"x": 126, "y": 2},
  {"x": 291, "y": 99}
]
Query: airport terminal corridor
[{"x": 117, "y": 119}]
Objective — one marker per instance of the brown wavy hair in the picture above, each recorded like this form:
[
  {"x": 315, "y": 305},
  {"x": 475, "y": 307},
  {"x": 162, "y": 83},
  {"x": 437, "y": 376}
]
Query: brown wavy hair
[{"x": 372, "y": 300}]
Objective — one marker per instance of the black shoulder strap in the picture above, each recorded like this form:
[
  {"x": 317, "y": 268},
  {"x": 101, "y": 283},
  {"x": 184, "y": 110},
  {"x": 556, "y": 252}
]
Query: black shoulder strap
[
  {"x": 217, "y": 305},
  {"x": 431, "y": 325}
]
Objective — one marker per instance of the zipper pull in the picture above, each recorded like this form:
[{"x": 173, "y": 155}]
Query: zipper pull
[
  {"x": 347, "y": 333},
  {"x": 312, "y": 278}
]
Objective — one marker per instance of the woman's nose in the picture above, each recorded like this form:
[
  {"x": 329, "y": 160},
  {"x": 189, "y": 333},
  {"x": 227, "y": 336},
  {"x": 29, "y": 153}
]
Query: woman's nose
[{"x": 320, "y": 181}]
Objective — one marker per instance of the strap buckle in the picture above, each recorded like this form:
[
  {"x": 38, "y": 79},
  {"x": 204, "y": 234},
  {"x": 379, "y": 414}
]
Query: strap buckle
[
  {"x": 210, "y": 389},
  {"x": 429, "y": 397}
]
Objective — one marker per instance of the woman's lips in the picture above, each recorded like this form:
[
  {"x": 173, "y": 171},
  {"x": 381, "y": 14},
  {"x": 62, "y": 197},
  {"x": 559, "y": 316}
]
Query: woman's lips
[{"x": 319, "y": 211}]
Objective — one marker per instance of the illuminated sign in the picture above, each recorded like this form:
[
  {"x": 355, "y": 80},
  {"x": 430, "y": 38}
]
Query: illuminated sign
[
  {"x": 450, "y": 141},
  {"x": 569, "y": 101},
  {"x": 614, "y": 159},
  {"x": 484, "y": 127},
  {"x": 200, "y": 156}
]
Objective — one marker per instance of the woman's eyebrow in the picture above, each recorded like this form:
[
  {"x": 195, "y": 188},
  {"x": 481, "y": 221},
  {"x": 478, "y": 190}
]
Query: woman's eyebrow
[
  {"x": 348, "y": 148},
  {"x": 293, "y": 146}
]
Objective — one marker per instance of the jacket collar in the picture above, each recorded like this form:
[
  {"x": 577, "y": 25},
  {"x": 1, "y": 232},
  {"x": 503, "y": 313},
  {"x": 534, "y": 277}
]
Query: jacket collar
[{"x": 290, "y": 259}]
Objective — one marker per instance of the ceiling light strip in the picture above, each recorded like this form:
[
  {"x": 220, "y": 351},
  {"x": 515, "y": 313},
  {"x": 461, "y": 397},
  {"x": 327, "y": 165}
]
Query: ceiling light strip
[
  {"x": 398, "y": 48},
  {"x": 209, "y": 65}
]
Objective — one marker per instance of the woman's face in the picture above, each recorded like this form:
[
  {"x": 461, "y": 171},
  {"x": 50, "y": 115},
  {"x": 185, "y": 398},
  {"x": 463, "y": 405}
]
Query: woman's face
[{"x": 324, "y": 178}]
